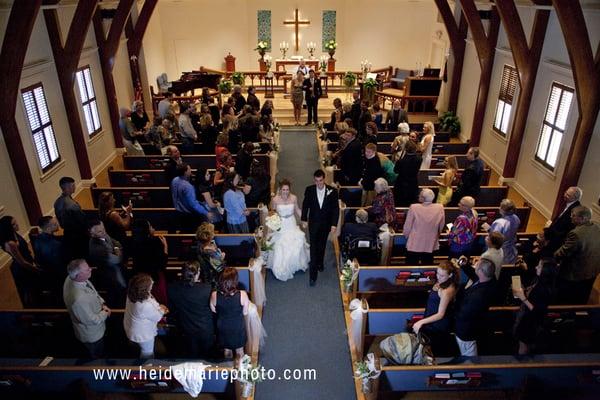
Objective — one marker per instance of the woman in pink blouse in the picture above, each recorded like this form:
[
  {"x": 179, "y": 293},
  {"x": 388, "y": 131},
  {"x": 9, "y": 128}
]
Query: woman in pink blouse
[
  {"x": 424, "y": 222},
  {"x": 464, "y": 230}
]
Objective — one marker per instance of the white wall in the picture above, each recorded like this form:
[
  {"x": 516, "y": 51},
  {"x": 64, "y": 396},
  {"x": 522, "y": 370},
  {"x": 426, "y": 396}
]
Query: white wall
[{"x": 467, "y": 96}]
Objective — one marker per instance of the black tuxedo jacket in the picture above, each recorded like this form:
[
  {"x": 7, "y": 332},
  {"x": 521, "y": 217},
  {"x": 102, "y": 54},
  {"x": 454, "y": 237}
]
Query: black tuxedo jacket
[
  {"x": 308, "y": 89},
  {"x": 393, "y": 119},
  {"x": 319, "y": 216},
  {"x": 560, "y": 227}
]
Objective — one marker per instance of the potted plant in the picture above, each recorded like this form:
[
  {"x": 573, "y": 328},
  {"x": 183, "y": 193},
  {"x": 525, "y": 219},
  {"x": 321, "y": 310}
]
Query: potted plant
[
  {"x": 369, "y": 88},
  {"x": 225, "y": 86},
  {"x": 449, "y": 122},
  {"x": 330, "y": 46},
  {"x": 248, "y": 375},
  {"x": 238, "y": 78},
  {"x": 349, "y": 79},
  {"x": 262, "y": 47}
]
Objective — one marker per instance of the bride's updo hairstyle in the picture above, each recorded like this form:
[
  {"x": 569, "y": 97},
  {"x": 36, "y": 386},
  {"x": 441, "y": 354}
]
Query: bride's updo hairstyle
[{"x": 285, "y": 182}]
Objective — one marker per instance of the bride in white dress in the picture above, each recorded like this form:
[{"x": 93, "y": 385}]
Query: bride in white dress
[{"x": 290, "y": 249}]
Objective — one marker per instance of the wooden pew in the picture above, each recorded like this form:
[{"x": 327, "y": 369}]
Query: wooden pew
[
  {"x": 489, "y": 196},
  {"x": 141, "y": 177},
  {"x": 200, "y": 148},
  {"x": 423, "y": 178},
  {"x": 441, "y": 148},
  {"x": 389, "y": 136},
  {"x": 195, "y": 161},
  {"x": 485, "y": 214}
]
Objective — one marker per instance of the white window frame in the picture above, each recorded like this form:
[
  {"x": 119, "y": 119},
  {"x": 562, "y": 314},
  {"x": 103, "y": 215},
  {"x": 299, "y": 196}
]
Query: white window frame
[
  {"x": 508, "y": 87},
  {"x": 89, "y": 103},
  {"x": 40, "y": 124}
]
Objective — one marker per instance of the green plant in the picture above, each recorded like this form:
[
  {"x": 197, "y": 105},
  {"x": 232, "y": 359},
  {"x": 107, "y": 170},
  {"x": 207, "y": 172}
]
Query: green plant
[
  {"x": 370, "y": 84},
  {"x": 449, "y": 122},
  {"x": 349, "y": 79},
  {"x": 331, "y": 45},
  {"x": 238, "y": 78},
  {"x": 262, "y": 46},
  {"x": 225, "y": 86}
]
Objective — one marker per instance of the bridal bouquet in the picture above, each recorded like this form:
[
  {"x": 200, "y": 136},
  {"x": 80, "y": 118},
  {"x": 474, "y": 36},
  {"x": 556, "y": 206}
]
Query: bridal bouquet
[
  {"x": 349, "y": 273},
  {"x": 273, "y": 222}
]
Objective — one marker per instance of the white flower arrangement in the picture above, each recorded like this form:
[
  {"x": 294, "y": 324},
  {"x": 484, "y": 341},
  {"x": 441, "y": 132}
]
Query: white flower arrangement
[
  {"x": 349, "y": 273},
  {"x": 262, "y": 45},
  {"x": 273, "y": 222},
  {"x": 366, "y": 371},
  {"x": 331, "y": 45},
  {"x": 248, "y": 373}
]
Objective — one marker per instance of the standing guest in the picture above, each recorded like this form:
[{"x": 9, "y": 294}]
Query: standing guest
[
  {"x": 158, "y": 135},
  {"x": 508, "y": 225},
  {"x": 190, "y": 211},
  {"x": 142, "y": 314},
  {"x": 383, "y": 210},
  {"x": 388, "y": 168},
  {"x": 252, "y": 100},
  {"x": 221, "y": 146},
  {"x": 225, "y": 165},
  {"x": 534, "y": 304},
  {"x": 422, "y": 228},
  {"x": 395, "y": 116},
  {"x": 24, "y": 271},
  {"x": 371, "y": 132},
  {"x": 175, "y": 160},
  {"x": 463, "y": 233},
  {"x": 265, "y": 130},
  {"x": 439, "y": 312},
  {"x": 297, "y": 91},
  {"x": 130, "y": 134},
  {"x": 204, "y": 189},
  {"x": 470, "y": 179},
  {"x": 208, "y": 132},
  {"x": 406, "y": 189},
  {"x": 49, "y": 251},
  {"x": 249, "y": 125},
  {"x": 399, "y": 143},
  {"x": 86, "y": 308},
  {"x": 149, "y": 254},
  {"x": 312, "y": 93},
  {"x": 578, "y": 258},
  {"x": 363, "y": 119},
  {"x": 72, "y": 220},
  {"x": 355, "y": 111},
  {"x": 351, "y": 159},
  {"x": 559, "y": 228},
  {"x": 239, "y": 100},
  {"x": 426, "y": 145},
  {"x": 116, "y": 223},
  {"x": 165, "y": 106},
  {"x": 260, "y": 182},
  {"x": 235, "y": 205},
  {"x": 494, "y": 252},
  {"x": 230, "y": 304},
  {"x": 105, "y": 255},
  {"x": 377, "y": 115},
  {"x": 336, "y": 115},
  {"x": 189, "y": 299},
  {"x": 244, "y": 160},
  {"x": 446, "y": 180},
  {"x": 227, "y": 110},
  {"x": 472, "y": 304},
  {"x": 372, "y": 170},
  {"x": 267, "y": 110},
  {"x": 186, "y": 129},
  {"x": 139, "y": 118},
  {"x": 210, "y": 256},
  {"x": 346, "y": 113}
]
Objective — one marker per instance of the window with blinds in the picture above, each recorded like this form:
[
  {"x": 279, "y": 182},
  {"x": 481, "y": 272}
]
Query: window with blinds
[
  {"x": 88, "y": 100},
  {"x": 508, "y": 86},
  {"x": 554, "y": 125},
  {"x": 40, "y": 123}
]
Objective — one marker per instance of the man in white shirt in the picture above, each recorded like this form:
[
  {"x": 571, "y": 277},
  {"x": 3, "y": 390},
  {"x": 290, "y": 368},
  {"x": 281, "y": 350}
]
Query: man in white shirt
[{"x": 86, "y": 308}]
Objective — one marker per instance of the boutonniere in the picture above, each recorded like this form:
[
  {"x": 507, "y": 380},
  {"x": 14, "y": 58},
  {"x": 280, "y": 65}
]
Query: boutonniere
[{"x": 328, "y": 192}]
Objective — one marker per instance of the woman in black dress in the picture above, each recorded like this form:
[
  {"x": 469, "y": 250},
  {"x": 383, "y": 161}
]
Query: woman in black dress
[
  {"x": 230, "y": 304},
  {"x": 535, "y": 300},
  {"x": 139, "y": 118},
  {"x": 116, "y": 223}
]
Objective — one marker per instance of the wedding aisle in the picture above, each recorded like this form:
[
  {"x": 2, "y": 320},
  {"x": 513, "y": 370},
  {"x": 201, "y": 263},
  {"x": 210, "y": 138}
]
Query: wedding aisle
[{"x": 305, "y": 325}]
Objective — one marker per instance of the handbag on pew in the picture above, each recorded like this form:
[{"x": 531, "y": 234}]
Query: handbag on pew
[{"x": 407, "y": 349}]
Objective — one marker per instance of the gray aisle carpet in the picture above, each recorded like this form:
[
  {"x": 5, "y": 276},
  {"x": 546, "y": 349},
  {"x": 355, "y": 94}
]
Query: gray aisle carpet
[{"x": 305, "y": 325}]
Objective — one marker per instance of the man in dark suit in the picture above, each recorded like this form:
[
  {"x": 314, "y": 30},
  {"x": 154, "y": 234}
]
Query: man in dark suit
[
  {"x": 355, "y": 110},
  {"x": 470, "y": 180},
  {"x": 578, "y": 258},
  {"x": 472, "y": 303},
  {"x": 320, "y": 208},
  {"x": 395, "y": 116},
  {"x": 312, "y": 93},
  {"x": 406, "y": 188},
  {"x": 351, "y": 159},
  {"x": 361, "y": 229},
  {"x": 558, "y": 229}
]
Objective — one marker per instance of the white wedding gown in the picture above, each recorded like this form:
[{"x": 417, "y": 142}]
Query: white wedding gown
[{"x": 290, "y": 249}]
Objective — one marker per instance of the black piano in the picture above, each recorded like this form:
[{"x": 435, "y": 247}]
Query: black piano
[{"x": 195, "y": 80}]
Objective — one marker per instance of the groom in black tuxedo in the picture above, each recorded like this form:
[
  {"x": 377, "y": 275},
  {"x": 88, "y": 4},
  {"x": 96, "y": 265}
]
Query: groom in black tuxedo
[
  {"x": 320, "y": 207},
  {"x": 312, "y": 93}
]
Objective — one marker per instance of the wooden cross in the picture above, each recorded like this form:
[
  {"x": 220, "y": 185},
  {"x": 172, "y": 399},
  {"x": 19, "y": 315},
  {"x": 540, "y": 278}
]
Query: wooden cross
[{"x": 296, "y": 22}]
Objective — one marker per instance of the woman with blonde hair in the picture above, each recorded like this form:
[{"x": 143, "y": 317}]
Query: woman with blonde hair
[
  {"x": 446, "y": 180},
  {"x": 297, "y": 96},
  {"x": 426, "y": 144},
  {"x": 209, "y": 255}
]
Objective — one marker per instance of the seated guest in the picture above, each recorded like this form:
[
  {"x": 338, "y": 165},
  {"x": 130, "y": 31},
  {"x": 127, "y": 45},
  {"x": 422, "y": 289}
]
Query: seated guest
[
  {"x": 558, "y": 229},
  {"x": 208, "y": 131},
  {"x": 49, "y": 251},
  {"x": 494, "y": 252},
  {"x": 578, "y": 258},
  {"x": 86, "y": 308},
  {"x": 346, "y": 114},
  {"x": 361, "y": 229},
  {"x": 248, "y": 125},
  {"x": 508, "y": 225},
  {"x": 149, "y": 254},
  {"x": 470, "y": 179},
  {"x": 252, "y": 100},
  {"x": 360, "y": 240},
  {"x": 464, "y": 229},
  {"x": 534, "y": 304},
  {"x": 473, "y": 301},
  {"x": 446, "y": 180},
  {"x": 406, "y": 189},
  {"x": 267, "y": 110},
  {"x": 244, "y": 160},
  {"x": 130, "y": 134},
  {"x": 190, "y": 211},
  {"x": 189, "y": 299},
  {"x": 399, "y": 143},
  {"x": 139, "y": 118},
  {"x": 116, "y": 223},
  {"x": 383, "y": 210},
  {"x": 210, "y": 257},
  {"x": 188, "y": 133},
  {"x": 230, "y": 304},
  {"x": 424, "y": 222},
  {"x": 351, "y": 159},
  {"x": 266, "y": 130},
  {"x": 238, "y": 98},
  {"x": 439, "y": 312},
  {"x": 155, "y": 135},
  {"x": 395, "y": 116},
  {"x": 105, "y": 255},
  {"x": 260, "y": 183},
  {"x": 371, "y": 171},
  {"x": 336, "y": 115},
  {"x": 235, "y": 204},
  {"x": 25, "y": 273},
  {"x": 175, "y": 160},
  {"x": 166, "y": 106},
  {"x": 142, "y": 314},
  {"x": 377, "y": 115}
]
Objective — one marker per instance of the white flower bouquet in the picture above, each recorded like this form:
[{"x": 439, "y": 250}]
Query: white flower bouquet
[
  {"x": 273, "y": 222},
  {"x": 366, "y": 371},
  {"x": 349, "y": 273},
  {"x": 249, "y": 375}
]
